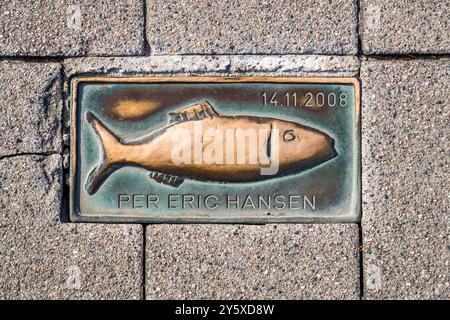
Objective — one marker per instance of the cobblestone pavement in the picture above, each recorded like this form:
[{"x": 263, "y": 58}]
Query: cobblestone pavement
[{"x": 399, "y": 50}]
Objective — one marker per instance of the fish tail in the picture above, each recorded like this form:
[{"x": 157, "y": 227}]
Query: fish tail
[{"x": 109, "y": 145}]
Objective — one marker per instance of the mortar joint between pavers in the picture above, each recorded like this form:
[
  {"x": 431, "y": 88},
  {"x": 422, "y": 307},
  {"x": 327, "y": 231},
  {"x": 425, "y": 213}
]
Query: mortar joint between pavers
[
  {"x": 24, "y": 154},
  {"x": 147, "y": 47}
]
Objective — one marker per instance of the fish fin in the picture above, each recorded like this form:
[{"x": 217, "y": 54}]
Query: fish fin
[
  {"x": 167, "y": 179},
  {"x": 108, "y": 144},
  {"x": 194, "y": 112}
]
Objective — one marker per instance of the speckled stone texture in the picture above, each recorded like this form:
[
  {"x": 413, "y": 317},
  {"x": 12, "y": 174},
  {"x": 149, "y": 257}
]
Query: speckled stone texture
[
  {"x": 71, "y": 28},
  {"x": 405, "y": 26},
  {"x": 295, "y": 65},
  {"x": 405, "y": 178},
  {"x": 252, "y": 262},
  {"x": 30, "y": 107},
  {"x": 232, "y": 65},
  {"x": 41, "y": 258},
  {"x": 153, "y": 65},
  {"x": 252, "y": 26}
]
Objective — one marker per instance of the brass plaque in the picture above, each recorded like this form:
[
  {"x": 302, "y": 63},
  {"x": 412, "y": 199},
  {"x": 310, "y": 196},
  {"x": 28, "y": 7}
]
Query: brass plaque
[{"x": 208, "y": 149}]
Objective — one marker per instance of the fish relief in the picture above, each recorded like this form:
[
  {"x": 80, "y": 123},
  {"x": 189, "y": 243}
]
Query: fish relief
[{"x": 200, "y": 144}]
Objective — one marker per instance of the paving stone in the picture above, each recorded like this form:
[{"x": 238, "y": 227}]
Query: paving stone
[
  {"x": 252, "y": 262},
  {"x": 71, "y": 28},
  {"x": 31, "y": 103},
  {"x": 253, "y": 26},
  {"x": 405, "y": 27},
  {"x": 298, "y": 65},
  {"x": 405, "y": 181},
  {"x": 153, "y": 65},
  {"x": 43, "y": 258}
]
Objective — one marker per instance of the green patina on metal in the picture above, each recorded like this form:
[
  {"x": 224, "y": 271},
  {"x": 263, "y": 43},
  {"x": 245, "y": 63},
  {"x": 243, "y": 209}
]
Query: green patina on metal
[{"x": 131, "y": 109}]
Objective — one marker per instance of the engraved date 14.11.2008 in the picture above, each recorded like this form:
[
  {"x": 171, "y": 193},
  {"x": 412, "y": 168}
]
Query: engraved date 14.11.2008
[{"x": 307, "y": 99}]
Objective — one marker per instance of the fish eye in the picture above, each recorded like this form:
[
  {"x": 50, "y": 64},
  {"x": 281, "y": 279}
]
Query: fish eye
[{"x": 289, "y": 136}]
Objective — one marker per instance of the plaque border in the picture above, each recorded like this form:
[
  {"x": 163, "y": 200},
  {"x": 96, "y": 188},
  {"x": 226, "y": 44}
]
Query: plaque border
[{"x": 353, "y": 216}]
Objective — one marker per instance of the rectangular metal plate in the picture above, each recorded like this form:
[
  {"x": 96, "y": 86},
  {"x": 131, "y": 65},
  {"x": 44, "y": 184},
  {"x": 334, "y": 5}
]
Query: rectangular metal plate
[{"x": 215, "y": 149}]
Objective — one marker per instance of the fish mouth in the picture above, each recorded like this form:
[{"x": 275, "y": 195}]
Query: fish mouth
[
  {"x": 328, "y": 154},
  {"x": 333, "y": 153}
]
